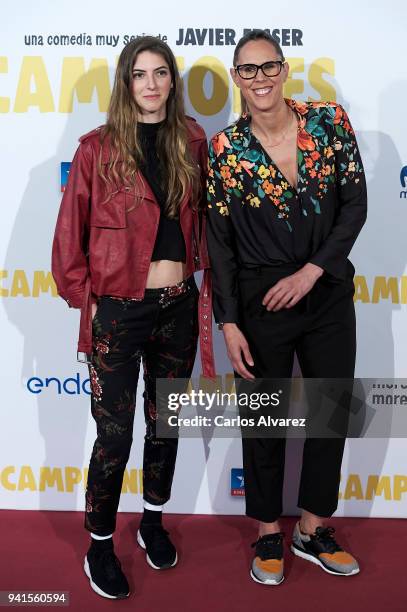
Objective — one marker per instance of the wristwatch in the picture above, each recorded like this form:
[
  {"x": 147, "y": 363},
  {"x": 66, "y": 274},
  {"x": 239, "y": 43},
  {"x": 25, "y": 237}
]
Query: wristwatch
[{"x": 220, "y": 326}]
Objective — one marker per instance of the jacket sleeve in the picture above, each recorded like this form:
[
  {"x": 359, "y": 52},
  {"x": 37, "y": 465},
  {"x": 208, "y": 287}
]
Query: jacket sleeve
[
  {"x": 352, "y": 197},
  {"x": 220, "y": 236},
  {"x": 70, "y": 245},
  {"x": 203, "y": 206}
]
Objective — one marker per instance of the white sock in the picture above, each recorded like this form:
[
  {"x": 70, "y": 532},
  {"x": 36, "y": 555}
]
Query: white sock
[
  {"x": 148, "y": 506},
  {"x": 96, "y": 537}
]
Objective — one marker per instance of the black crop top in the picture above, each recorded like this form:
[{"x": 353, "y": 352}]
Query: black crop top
[{"x": 169, "y": 243}]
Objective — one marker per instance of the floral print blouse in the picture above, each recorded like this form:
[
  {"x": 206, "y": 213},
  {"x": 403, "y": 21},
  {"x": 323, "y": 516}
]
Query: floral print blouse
[{"x": 256, "y": 218}]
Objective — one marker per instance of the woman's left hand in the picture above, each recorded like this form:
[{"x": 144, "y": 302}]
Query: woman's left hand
[{"x": 288, "y": 291}]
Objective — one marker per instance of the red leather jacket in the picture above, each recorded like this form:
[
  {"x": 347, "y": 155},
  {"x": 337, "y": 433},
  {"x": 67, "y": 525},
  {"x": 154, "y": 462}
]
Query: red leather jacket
[{"x": 104, "y": 247}]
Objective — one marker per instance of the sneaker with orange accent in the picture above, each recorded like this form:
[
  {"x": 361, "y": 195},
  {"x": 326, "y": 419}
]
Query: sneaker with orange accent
[
  {"x": 321, "y": 548},
  {"x": 268, "y": 565}
]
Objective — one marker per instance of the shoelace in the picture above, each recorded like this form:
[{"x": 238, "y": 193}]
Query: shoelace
[
  {"x": 269, "y": 546},
  {"x": 325, "y": 536}
]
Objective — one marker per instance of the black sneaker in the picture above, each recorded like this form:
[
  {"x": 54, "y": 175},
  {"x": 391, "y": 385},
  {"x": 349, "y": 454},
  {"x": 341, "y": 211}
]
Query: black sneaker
[
  {"x": 103, "y": 569},
  {"x": 322, "y": 549},
  {"x": 268, "y": 563},
  {"x": 160, "y": 551}
]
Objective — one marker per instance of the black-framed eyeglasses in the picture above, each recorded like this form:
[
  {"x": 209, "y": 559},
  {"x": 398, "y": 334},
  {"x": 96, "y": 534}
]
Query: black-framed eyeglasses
[{"x": 269, "y": 69}]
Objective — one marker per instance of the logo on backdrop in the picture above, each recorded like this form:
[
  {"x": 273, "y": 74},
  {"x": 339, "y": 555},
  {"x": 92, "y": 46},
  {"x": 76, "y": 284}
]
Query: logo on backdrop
[
  {"x": 62, "y": 479},
  {"x": 64, "y": 174},
  {"x": 403, "y": 181},
  {"x": 67, "y": 386},
  {"x": 26, "y": 283},
  {"x": 362, "y": 488},
  {"x": 353, "y": 486},
  {"x": 84, "y": 82},
  {"x": 236, "y": 482},
  {"x": 228, "y": 36},
  {"x": 372, "y": 290}
]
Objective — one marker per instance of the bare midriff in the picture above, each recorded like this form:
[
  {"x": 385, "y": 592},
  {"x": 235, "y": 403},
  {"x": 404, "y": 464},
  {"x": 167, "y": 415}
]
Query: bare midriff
[{"x": 165, "y": 273}]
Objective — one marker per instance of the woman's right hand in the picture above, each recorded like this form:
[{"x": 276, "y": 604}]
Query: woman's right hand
[{"x": 237, "y": 347}]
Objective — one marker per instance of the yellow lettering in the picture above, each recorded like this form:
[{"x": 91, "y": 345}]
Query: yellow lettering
[
  {"x": 26, "y": 480},
  {"x": 180, "y": 63},
  {"x": 10, "y": 486},
  {"x": 385, "y": 287},
  {"x": 210, "y": 385},
  {"x": 294, "y": 86},
  {"x": 238, "y": 101},
  {"x": 33, "y": 69},
  {"x": 75, "y": 78},
  {"x": 43, "y": 281},
  {"x": 3, "y": 292},
  {"x": 20, "y": 284},
  {"x": 4, "y": 101},
  {"x": 400, "y": 486},
  {"x": 49, "y": 477},
  {"x": 230, "y": 386},
  {"x": 361, "y": 289},
  {"x": 85, "y": 477},
  {"x": 130, "y": 479},
  {"x": 220, "y": 90},
  {"x": 403, "y": 290},
  {"x": 317, "y": 69},
  {"x": 73, "y": 476},
  {"x": 376, "y": 486},
  {"x": 353, "y": 487}
]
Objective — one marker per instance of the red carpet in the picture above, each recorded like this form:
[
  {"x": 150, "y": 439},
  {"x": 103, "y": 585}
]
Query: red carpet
[{"x": 44, "y": 551}]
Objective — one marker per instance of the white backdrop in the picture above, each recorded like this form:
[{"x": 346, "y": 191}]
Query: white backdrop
[{"x": 50, "y": 94}]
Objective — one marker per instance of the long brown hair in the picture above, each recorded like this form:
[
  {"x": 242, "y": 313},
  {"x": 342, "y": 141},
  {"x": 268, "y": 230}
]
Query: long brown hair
[{"x": 121, "y": 129}]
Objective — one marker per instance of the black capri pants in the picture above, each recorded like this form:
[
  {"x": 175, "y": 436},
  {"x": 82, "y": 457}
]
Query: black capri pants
[{"x": 321, "y": 330}]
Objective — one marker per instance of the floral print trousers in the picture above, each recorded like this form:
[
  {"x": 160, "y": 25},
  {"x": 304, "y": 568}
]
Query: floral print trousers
[{"x": 160, "y": 331}]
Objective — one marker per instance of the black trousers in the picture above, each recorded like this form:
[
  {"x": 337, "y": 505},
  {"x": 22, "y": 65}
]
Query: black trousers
[
  {"x": 321, "y": 330},
  {"x": 162, "y": 331}
]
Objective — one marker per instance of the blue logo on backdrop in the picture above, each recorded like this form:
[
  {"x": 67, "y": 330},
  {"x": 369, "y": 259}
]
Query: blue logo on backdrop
[
  {"x": 70, "y": 386},
  {"x": 236, "y": 482},
  {"x": 64, "y": 174},
  {"x": 403, "y": 181}
]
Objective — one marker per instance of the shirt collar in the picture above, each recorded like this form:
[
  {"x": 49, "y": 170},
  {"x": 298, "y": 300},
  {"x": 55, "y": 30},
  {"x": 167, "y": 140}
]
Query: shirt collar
[{"x": 242, "y": 126}]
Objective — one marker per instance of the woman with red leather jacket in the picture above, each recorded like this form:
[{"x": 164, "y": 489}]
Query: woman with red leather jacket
[{"x": 129, "y": 236}]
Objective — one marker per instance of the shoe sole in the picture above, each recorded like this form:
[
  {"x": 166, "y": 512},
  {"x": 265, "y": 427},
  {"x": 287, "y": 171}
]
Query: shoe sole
[
  {"x": 309, "y": 557},
  {"x": 141, "y": 543},
  {"x": 268, "y": 582},
  {"x": 95, "y": 587}
]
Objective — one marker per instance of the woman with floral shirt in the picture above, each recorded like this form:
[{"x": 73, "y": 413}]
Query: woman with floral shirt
[{"x": 287, "y": 200}]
